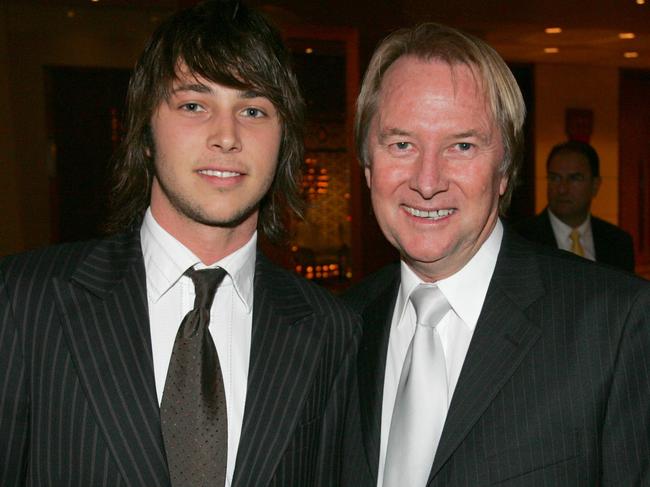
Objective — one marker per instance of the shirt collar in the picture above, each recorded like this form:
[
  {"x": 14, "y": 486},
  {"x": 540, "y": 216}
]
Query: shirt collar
[
  {"x": 562, "y": 230},
  {"x": 166, "y": 259},
  {"x": 466, "y": 289}
]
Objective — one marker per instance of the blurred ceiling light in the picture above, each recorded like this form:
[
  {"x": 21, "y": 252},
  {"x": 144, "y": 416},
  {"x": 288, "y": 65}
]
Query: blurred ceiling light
[
  {"x": 551, "y": 50},
  {"x": 70, "y": 13},
  {"x": 309, "y": 50},
  {"x": 553, "y": 30},
  {"x": 626, "y": 35},
  {"x": 640, "y": 2},
  {"x": 631, "y": 55}
]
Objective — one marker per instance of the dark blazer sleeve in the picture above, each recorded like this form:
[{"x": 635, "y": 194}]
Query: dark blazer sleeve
[
  {"x": 313, "y": 457},
  {"x": 13, "y": 396},
  {"x": 626, "y": 429},
  {"x": 303, "y": 351},
  {"x": 373, "y": 298},
  {"x": 333, "y": 422}
]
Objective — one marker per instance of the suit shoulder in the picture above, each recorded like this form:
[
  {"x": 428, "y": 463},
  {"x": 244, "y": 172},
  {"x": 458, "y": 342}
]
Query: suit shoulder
[
  {"x": 526, "y": 270},
  {"x": 563, "y": 267},
  {"x": 319, "y": 299},
  {"x": 60, "y": 260},
  {"x": 599, "y": 224},
  {"x": 54, "y": 260},
  {"x": 370, "y": 287}
]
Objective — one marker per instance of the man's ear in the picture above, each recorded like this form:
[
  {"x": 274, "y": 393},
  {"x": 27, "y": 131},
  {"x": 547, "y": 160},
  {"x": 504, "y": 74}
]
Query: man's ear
[
  {"x": 367, "y": 171},
  {"x": 148, "y": 139},
  {"x": 503, "y": 185}
]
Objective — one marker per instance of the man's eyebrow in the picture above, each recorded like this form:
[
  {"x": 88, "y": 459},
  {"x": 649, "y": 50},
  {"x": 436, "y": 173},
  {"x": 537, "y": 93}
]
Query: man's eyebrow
[
  {"x": 485, "y": 138},
  {"x": 390, "y": 132},
  {"x": 201, "y": 88},
  {"x": 248, "y": 94},
  {"x": 195, "y": 87}
]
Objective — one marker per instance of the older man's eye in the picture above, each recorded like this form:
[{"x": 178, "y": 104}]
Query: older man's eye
[
  {"x": 402, "y": 145},
  {"x": 464, "y": 146}
]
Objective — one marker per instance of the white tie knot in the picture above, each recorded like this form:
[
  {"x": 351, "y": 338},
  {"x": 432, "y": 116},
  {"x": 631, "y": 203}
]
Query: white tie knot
[{"x": 430, "y": 304}]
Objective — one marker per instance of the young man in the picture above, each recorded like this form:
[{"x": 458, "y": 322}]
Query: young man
[
  {"x": 573, "y": 175},
  {"x": 119, "y": 365},
  {"x": 485, "y": 360}
]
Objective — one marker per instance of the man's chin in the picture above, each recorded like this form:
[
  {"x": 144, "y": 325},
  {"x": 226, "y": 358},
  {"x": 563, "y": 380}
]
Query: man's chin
[{"x": 229, "y": 221}]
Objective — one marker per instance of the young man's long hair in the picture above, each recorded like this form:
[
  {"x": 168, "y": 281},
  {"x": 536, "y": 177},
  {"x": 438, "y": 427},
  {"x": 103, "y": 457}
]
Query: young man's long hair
[{"x": 226, "y": 43}]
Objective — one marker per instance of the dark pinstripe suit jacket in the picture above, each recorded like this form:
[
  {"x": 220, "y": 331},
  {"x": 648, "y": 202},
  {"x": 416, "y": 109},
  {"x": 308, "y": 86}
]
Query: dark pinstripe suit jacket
[
  {"x": 78, "y": 404},
  {"x": 555, "y": 388}
]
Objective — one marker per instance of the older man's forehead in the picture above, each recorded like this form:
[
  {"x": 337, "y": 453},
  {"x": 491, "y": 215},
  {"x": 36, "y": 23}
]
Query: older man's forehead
[
  {"x": 460, "y": 72},
  {"x": 457, "y": 69}
]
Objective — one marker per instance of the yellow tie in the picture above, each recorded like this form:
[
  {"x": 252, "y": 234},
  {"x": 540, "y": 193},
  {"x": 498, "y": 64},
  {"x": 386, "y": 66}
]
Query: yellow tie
[{"x": 576, "y": 247}]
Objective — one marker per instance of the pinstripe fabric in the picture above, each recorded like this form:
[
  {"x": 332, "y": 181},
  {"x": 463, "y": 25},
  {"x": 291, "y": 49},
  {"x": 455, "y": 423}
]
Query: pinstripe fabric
[
  {"x": 303, "y": 349},
  {"x": 555, "y": 389},
  {"x": 78, "y": 404}
]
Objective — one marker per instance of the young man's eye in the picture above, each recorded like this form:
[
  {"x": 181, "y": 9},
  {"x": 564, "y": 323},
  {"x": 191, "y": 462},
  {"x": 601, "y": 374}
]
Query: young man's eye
[
  {"x": 191, "y": 107},
  {"x": 253, "y": 112}
]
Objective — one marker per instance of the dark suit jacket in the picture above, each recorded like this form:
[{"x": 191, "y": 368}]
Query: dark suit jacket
[
  {"x": 613, "y": 246},
  {"x": 78, "y": 403},
  {"x": 555, "y": 388}
]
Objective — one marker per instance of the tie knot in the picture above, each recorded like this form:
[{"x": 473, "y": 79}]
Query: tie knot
[
  {"x": 206, "y": 282},
  {"x": 574, "y": 235},
  {"x": 430, "y": 304}
]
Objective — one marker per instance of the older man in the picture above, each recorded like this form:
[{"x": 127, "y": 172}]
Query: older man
[{"x": 485, "y": 359}]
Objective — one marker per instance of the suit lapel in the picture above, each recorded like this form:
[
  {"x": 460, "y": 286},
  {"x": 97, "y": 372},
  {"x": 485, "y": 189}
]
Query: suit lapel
[
  {"x": 602, "y": 242},
  {"x": 502, "y": 338},
  {"x": 285, "y": 344},
  {"x": 377, "y": 317},
  {"x": 105, "y": 319}
]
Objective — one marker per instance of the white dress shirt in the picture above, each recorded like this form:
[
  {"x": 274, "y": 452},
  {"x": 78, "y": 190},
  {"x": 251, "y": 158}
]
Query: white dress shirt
[
  {"x": 465, "y": 292},
  {"x": 562, "y": 233},
  {"x": 170, "y": 297}
]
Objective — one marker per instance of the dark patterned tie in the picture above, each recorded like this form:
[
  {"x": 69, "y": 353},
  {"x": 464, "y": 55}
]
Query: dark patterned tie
[{"x": 193, "y": 407}]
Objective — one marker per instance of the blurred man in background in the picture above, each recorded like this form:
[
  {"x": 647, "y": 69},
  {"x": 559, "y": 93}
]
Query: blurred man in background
[{"x": 573, "y": 177}]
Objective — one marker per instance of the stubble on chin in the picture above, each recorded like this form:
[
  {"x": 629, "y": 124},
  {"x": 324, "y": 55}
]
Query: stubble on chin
[{"x": 193, "y": 211}]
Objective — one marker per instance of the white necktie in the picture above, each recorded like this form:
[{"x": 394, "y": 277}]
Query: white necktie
[{"x": 422, "y": 396}]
